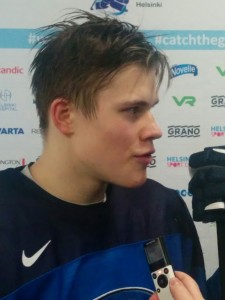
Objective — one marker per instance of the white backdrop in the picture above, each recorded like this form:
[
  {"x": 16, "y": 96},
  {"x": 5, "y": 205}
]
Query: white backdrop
[{"x": 190, "y": 113}]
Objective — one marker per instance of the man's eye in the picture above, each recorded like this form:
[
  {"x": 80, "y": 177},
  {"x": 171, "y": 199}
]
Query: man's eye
[{"x": 134, "y": 110}]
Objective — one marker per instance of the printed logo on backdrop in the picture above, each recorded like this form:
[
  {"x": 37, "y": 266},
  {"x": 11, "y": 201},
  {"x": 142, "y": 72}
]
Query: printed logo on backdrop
[
  {"x": 221, "y": 71},
  {"x": 218, "y": 131},
  {"x": 218, "y": 101},
  {"x": 14, "y": 70},
  {"x": 189, "y": 39},
  {"x": 190, "y": 100},
  {"x": 6, "y": 103},
  {"x": 177, "y": 161},
  {"x": 35, "y": 131},
  {"x": 183, "y": 69},
  {"x": 9, "y": 131},
  {"x": 34, "y": 37},
  {"x": 12, "y": 162},
  {"x": 153, "y": 162},
  {"x": 183, "y": 131},
  {"x": 148, "y": 4},
  {"x": 184, "y": 193},
  {"x": 112, "y": 7}
]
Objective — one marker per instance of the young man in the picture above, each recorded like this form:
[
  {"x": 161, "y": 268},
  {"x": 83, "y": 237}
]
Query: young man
[{"x": 73, "y": 224}]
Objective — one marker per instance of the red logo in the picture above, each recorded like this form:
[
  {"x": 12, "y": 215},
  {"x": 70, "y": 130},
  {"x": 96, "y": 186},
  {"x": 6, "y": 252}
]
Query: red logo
[{"x": 14, "y": 70}]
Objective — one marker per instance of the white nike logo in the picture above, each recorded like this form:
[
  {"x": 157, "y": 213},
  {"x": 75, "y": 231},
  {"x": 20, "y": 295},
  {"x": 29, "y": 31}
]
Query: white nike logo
[{"x": 29, "y": 261}]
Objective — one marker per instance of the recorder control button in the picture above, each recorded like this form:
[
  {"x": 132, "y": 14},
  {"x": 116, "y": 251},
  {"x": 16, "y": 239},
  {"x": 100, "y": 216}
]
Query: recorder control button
[
  {"x": 166, "y": 270},
  {"x": 154, "y": 276},
  {"x": 162, "y": 281}
]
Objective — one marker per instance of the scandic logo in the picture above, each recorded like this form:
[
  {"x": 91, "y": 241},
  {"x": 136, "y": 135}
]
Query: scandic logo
[
  {"x": 16, "y": 70},
  {"x": 218, "y": 101},
  {"x": 178, "y": 70},
  {"x": 11, "y": 131},
  {"x": 118, "y": 6},
  {"x": 185, "y": 99},
  {"x": 183, "y": 131}
]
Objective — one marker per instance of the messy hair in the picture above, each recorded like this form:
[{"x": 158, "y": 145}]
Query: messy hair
[{"x": 79, "y": 56}]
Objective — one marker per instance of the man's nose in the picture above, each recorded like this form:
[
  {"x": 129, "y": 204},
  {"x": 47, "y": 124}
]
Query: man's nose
[{"x": 151, "y": 129}]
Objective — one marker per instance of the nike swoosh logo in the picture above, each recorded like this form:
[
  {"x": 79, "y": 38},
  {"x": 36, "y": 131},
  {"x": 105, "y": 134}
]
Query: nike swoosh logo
[{"x": 29, "y": 261}]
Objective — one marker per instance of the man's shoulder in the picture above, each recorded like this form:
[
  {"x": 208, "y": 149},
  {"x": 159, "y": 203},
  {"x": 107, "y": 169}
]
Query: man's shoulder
[
  {"x": 10, "y": 180},
  {"x": 10, "y": 173}
]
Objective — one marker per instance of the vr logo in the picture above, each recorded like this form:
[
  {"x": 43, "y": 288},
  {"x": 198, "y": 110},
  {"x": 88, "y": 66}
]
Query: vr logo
[
  {"x": 185, "y": 99},
  {"x": 222, "y": 72}
]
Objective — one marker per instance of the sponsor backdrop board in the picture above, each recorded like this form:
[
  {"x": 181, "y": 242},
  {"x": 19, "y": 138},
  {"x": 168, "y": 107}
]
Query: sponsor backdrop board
[{"x": 190, "y": 113}]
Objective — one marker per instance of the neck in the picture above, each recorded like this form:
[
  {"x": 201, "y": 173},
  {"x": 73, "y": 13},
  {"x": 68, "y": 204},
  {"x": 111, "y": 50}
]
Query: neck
[{"x": 66, "y": 182}]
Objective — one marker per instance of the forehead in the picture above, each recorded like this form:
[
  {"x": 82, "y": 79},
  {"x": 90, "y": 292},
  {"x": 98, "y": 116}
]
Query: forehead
[{"x": 133, "y": 80}]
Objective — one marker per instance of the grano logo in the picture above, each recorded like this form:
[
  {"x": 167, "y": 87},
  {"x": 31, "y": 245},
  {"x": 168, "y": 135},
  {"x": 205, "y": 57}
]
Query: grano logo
[
  {"x": 183, "y": 131},
  {"x": 218, "y": 101},
  {"x": 11, "y": 131}
]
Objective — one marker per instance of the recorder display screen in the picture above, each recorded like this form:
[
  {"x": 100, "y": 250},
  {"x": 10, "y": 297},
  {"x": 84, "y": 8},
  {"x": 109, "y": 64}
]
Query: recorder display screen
[{"x": 155, "y": 255}]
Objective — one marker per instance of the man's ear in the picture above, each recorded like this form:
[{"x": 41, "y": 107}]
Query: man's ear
[{"x": 61, "y": 113}]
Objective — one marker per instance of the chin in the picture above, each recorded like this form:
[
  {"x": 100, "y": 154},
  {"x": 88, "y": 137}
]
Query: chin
[{"x": 136, "y": 182}]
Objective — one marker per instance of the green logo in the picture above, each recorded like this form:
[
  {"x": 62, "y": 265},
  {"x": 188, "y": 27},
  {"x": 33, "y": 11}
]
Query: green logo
[
  {"x": 185, "y": 99},
  {"x": 222, "y": 72}
]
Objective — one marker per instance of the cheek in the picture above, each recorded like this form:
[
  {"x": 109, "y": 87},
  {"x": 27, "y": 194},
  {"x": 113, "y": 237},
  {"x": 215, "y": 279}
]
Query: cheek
[{"x": 120, "y": 137}]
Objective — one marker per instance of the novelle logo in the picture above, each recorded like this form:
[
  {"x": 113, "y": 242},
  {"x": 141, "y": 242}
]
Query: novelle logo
[
  {"x": 184, "y": 193},
  {"x": 15, "y": 70},
  {"x": 113, "y": 7},
  {"x": 5, "y": 101},
  {"x": 218, "y": 101},
  {"x": 153, "y": 162},
  {"x": 177, "y": 161},
  {"x": 221, "y": 71},
  {"x": 13, "y": 162},
  {"x": 183, "y": 131},
  {"x": 190, "y": 100},
  {"x": 178, "y": 70},
  {"x": 11, "y": 131},
  {"x": 218, "y": 131}
]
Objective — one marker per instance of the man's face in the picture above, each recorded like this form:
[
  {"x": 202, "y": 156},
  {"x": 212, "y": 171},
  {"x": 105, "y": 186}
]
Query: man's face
[{"x": 116, "y": 146}]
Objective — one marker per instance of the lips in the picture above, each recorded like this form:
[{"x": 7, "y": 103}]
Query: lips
[
  {"x": 146, "y": 154},
  {"x": 144, "y": 158}
]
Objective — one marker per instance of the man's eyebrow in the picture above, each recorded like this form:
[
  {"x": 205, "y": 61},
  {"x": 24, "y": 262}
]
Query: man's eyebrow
[{"x": 140, "y": 103}]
